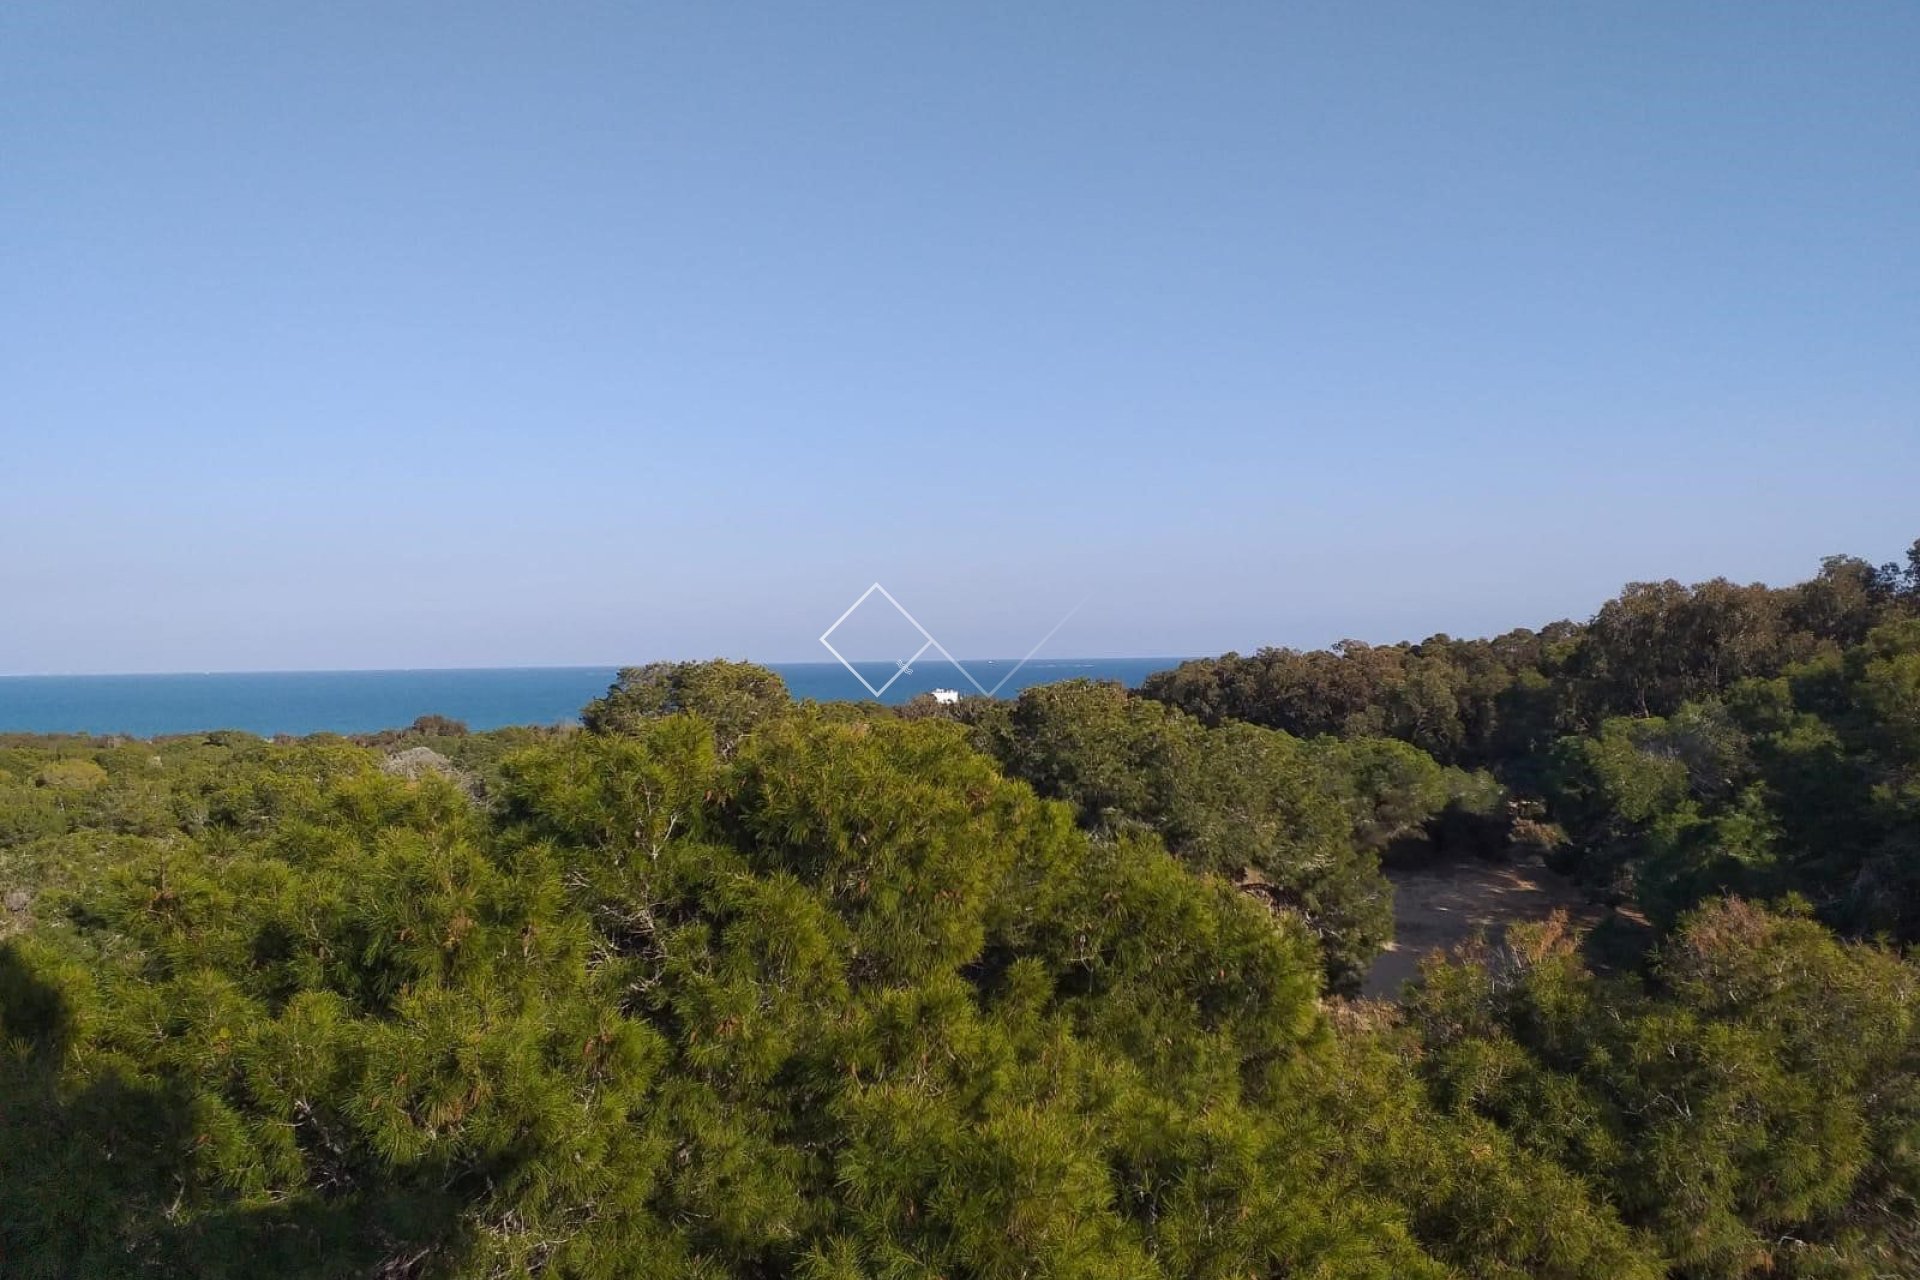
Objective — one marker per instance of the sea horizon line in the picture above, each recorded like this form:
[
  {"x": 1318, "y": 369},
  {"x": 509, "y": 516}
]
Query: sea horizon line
[{"x": 772, "y": 663}]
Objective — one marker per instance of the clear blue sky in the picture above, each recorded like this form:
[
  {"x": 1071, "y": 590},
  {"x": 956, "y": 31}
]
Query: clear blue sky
[{"x": 367, "y": 335}]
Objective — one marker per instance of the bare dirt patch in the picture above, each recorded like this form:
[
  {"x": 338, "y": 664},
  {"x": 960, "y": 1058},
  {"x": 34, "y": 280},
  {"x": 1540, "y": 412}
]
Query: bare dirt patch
[{"x": 1437, "y": 907}]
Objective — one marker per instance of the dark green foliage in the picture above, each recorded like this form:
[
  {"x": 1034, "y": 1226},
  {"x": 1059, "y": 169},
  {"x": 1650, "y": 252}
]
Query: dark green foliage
[
  {"x": 1471, "y": 702},
  {"x": 845, "y": 1002},
  {"x": 1301, "y": 824},
  {"x": 732, "y": 696},
  {"x": 1751, "y": 1103},
  {"x": 1801, "y": 784},
  {"x": 1478, "y": 1198},
  {"x": 1500, "y": 703},
  {"x": 725, "y": 986},
  {"x": 1689, "y": 741}
]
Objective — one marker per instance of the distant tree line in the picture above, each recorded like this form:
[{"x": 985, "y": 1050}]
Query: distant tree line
[
  {"x": 1500, "y": 703},
  {"x": 1691, "y": 741}
]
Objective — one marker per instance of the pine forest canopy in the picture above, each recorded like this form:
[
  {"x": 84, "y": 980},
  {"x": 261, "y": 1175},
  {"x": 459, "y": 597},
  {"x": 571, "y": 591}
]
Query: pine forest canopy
[{"x": 725, "y": 985}]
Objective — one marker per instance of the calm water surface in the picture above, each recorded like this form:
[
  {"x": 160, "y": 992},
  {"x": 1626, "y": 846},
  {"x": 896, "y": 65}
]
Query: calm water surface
[{"x": 302, "y": 702}]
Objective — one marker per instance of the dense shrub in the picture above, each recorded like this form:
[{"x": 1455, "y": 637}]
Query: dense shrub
[
  {"x": 726, "y": 986},
  {"x": 842, "y": 1002}
]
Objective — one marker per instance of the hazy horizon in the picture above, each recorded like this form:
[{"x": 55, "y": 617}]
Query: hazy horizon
[
  {"x": 583, "y": 666},
  {"x": 872, "y": 654}
]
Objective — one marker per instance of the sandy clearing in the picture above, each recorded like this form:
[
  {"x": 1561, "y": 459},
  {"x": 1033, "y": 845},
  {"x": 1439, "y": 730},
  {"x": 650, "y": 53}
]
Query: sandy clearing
[{"x": 1440, "y": 906}]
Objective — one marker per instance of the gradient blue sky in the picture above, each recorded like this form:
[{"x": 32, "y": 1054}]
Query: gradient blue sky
[{"x": 372, "y": 335}]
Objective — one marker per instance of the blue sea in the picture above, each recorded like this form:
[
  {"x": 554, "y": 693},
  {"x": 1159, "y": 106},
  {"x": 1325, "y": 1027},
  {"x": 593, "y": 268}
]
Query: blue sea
[{"x": 302, "y": 702}]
